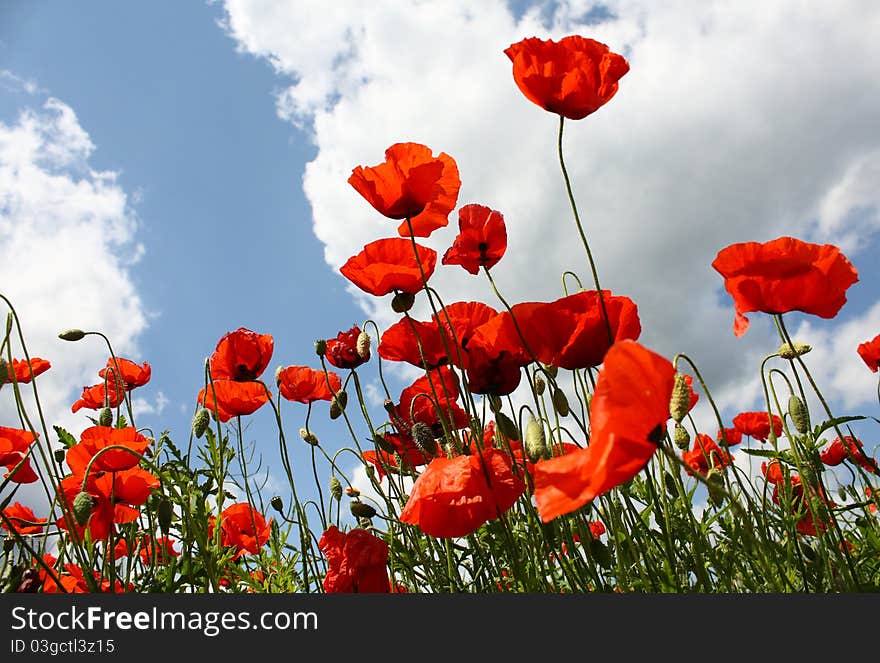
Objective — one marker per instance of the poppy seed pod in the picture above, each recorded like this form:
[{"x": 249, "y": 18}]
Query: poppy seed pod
[
  {"x": 798, "y": 413},
  {"x": 308, "y": 436},
  {"x": 402, "y": 302},
  {"x": 363, "y": 345},
  {"x": 320, "y": 347},
  {"x": 680, "y": 403},
  {"x": 60, "y": 455},
  {"x": 83, "y": 505},
  {"x": 681, "y": 437},
  {"x": 335, "y": 488},
  {"x": 560, "y": 403},
  {"x": 796, "y": 349},
  {"x": 277, "y": 503},
  {"x": 535, "y": 440},
  {"x": 361, "y": 510},
  {"x": 201, "y": 421},
  {"x": 72, "y": 335},
  {"x": 424, "y": 438}
]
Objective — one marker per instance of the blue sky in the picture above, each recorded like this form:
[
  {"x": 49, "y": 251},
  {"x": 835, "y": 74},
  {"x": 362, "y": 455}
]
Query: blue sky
[{"x": 231, "y": 128}]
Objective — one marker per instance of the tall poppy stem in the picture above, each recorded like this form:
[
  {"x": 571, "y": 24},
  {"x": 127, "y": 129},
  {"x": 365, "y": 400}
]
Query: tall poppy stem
[{"x": 580, "y": 228}]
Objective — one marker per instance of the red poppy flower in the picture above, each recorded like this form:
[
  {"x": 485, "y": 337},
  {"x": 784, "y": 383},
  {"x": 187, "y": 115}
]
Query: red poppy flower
[
  {"x": 869, "y": 351},
  {"x": 22, "y": 370},
  {"x": 705, "y": 455},
  {"x": 784, "y": 275},
  {"x": 357, "y": 561},
  {"x": 521, "y": 459},
  {"x": 302, "y": 384},
  {"x": 757, "y": 424},
  {"x": 730, "y": 435},
  {"x": 234, "y": 399},
  {"x": 460, "y": 321},
  {"x": 452, "y": 496},
  {"x": 20, "y": 519},
  {"x": 241, "y": 355},
  {"x": 808, "y": 522},
  {"x": 96, "y": 438},
  {"x": 411, "y": 184},
  {"x": 132, "y": 375},
  {"x": 694, "y": 396},
  {"x": 481, "y": 239},
  {"x": 418, "y": 404},
  {"x": 836, "y": 452},
  {"x": 573, "y": 77},
  {"x": 870, "y": 495},
  {"x": 343, "y": 351},
  {"x": 163, "y": 547},
  {"x": 14, "y": 445},
  {"x": 406, "y": 456},
  {"x": 410, "y": 341},
  {"x": 628, "y": 413},
  {"x": 567, "y": 333},
  {"x": 498, "y": 374},
  {"x": 72, "y": 582},
  {"x": 389, "y": 265},
  {"x": 242, "y": 527},
  {"x": 597, "y": 528},
  {"x": 116, "y": 495},
  {"x": 772, "y": 472},
  {"x": 98, "y": 396}
]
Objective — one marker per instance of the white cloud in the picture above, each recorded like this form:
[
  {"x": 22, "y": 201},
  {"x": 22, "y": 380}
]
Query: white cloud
[
  {"x": 67, "y": 243},
  {"x": 737, "y": 122}
]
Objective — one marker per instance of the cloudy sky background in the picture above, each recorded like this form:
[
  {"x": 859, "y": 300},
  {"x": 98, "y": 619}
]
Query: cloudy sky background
[{"x": 172, "y": 171}]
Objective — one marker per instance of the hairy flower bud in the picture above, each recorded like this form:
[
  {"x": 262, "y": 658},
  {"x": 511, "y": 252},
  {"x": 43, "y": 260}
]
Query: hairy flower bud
[
  {"x": 540, "y": 385},
  {"x": 83, "y": 505},
  {"x": 277, "y": 503},
  {"x": 681, "y": 437},
  {"x": 506, "y": 427},
  {"x": 535, "y": 440},
  {"x": 71, "y": 335},
  {"x": 165, "y": 514},
  {"x": 337, "y": 405},
  {"x": 308, "y": 436},
  {"x": 320, "y": 347},
  {"x": 798, "y": 413},
  {"x": 424, "y": 438},
  {"x": 335, "y": 487},
  {"x": 201, "y": 421},
  {"x": 361, "y": 509},
  {"x": 105, "y": 418},
  {"x": 786, "y": 351},
  {"x": 715, "y": 481},
  {"x": 402, "y": 302},
  {"x": 680, "y": 402},
  {"x": 363, "y": 345},
  {"x": 560, "y": 403}
]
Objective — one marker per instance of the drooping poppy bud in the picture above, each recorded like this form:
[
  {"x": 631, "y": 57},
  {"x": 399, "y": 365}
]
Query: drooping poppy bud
[
  {"x": 83, "y": 505},
  {"x": 72, "y": 335},
  {"x": 402, "y": 302},
  {"x": 165, "y": 514},
  {"x": 201, "y": 421},
  {"x": 540, "y": 385},
  {"x": 424, "y": 438},
  {"x": 277, "y": 503},
  {"x": 787, "y": 351},
  {"x": 506, "y": 426},
  {"x": 308, "y": 436},
  {"x": 361, "y": 510},
  {"x": 535, "y": 440},
  {"x": 680, "y": 403},
  {"x": 363, "y": 345},
  {"x": 105, "y": 418},
  {"x": 320, "y": 347},
  {"x": 681, "y": 437},
  {"x": 560, "y": 403},
  {"x": 798, "y": 413},
  {"x": 335, "y": 488}
]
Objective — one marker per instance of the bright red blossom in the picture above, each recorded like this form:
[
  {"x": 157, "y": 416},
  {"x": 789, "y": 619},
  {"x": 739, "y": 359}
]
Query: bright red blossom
[
  {"x": 306, "y": 385},
  {"x": 131, "y": 375},
  {"x": 481, "y": 240},
  {"x": 836, "y": 452},
  {"x": 705, "y": 455},
  {"x": 241, "y": 355},
  {"x": 757, "y": 424},
  {"x": 96, "y": 438},
  {"x": 20, "y": 519},
  {"x": 784, "y": 275},
  {"x": 242, "y": 527},
  {"x": 22, "y": 369},
  {"x": 411, "y": 184},
  {"x": 389, "y": 265},
  {"x": 234, "y": 399},
  {"x": 869, "y": 351},
  {"x": 342, "y": 351},
  {"x": 628, "y": 413},
  {"x": 100, "y": 395},
  {"x": 573, "y": 77},
  {"x": 14, "y": 445},
  {"x": 452, "y": 496},
  {"x": 357, "y": 561}
]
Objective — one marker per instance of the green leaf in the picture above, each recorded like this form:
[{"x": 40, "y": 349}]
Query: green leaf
[
  {"x": 764, "y": 453},
  {"x": 64, "y": 437},
  {"x": 831, "y": 423}
]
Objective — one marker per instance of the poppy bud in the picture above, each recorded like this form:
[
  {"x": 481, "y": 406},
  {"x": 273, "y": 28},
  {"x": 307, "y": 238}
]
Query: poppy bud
[
  {"x": 799, "y": 415},
  {"x": 841, "y": 493},
  {"x": 165, "y": 514},
  {"x": 337, "y": 405},
  {"x": 361, "y": 510},
  {"x": 536, "y": 441},
  {"x": 382, "y": 442},
  {"x": 506, "y": 426},
  {"x": 671, "y": 486},
  {"x": 540, "y": 385},
  {"x": 308, "y": 436},
  {"x": 320, "y": 347},
  {"x": 8, "y": 544},
  {"x": 277, "y": 504},
  {"x": 60, "y": 454},
  {"x": 351, "y": 491},
  {"x": 560, "y": 403},
  {"x": 681, "y": 437},
  {"x": 83, "y": 504},
  {"x": 402, "y": 302},
  {"x": 363, "y": 345},
  {"x": 495, "y": 403},
  {"x": 71, "y": 335},
  {"x": 715, "y": 481},
  {"x": 105, "y": 418},
  {"x": 424, "y": 438},
  {"x": 278, "y": 372},
  {"x": 680, "y": 402},
  {"x": 552, "y": 371},
  {"x": 786, "y": 351},
  {"x": 201, "y": 421},
  {"x": 335, "y": 487}
]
